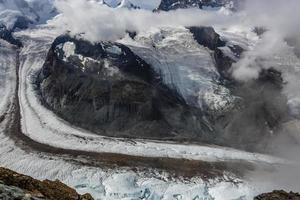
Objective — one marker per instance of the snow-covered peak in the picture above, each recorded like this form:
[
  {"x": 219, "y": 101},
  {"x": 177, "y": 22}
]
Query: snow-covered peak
[
  {"x": 147, "y": 5},
  {"x": 21, "y": 6},
  {"x": 167, "y": 5},
  {"x": 21, "y": 13},
  {"x": 44, "y": 8},
  {"x": 127, "y": 4}
]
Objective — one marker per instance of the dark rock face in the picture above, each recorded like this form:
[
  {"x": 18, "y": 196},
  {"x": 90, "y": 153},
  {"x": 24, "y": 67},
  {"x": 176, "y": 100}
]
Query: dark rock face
[
  {"x": 272, "y": 76},
  {"x": 259, "y": 30},
  {"x": 224, "y": 62},
  {"x": 7, "y": 36},
  {"x": 15, "y": 186},
  {"x": 132, "y": 34},
  {"x": 21, "y": 23},
  {"x": 278, "y": 195},
  {"x": 259, "y": 116},
  {"x": 115, "y": 93},
  {"x": 206, "y": 36},
  {"x": 176, "y": 4}
]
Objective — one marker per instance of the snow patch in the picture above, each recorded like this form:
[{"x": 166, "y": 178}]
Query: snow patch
[
  {"x": 114, "y": 50},
  {"x": 69, "y": 49}
]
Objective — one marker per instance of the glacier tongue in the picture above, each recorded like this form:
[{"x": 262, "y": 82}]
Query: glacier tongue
[{"x": 184, "y": 66}]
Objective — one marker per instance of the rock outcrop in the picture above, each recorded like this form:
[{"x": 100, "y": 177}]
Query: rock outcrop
[
  {"x": 127, "y": 4},
  {"x": 15, "y": 186},
  {"x": 207, "y": 37},
  {"x": 6, "y": 35},
  {"x": 167, "y": 5},
  {"x": 176, "y": 4},
  {"x": 278, "y": 195}
]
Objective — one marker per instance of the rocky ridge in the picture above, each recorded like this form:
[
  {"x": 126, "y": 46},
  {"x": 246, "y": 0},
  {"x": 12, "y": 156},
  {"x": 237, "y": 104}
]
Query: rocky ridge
[
  {"x": 14, "y": 186},
  {"x": 167, "y": 5},
  {"x": 7, "y": 35}
]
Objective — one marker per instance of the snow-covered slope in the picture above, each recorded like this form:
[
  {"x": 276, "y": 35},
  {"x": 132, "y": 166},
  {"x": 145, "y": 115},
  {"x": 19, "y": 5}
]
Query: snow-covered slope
[
  {"x": 127, "y": 4},
  {"x": 43, "y": 8},
  {"x": 148, "y": 5},
  {"x": 21, "y": 13},
  {"x": 185, "y": 66}
]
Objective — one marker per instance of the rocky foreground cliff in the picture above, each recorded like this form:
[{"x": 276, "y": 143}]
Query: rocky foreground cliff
[{"x": 15, "y": 186}]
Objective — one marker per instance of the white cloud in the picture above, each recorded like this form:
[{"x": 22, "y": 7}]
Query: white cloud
[
  {"x": 99, "y": 22},
  {"x": 96, "y": 22},
  {"x": 281, "y": 19}
]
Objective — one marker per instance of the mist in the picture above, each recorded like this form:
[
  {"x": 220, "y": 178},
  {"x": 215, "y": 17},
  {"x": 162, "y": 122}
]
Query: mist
[{"x": 280, "y": 20}]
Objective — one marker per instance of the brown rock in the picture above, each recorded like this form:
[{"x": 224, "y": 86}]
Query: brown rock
[
  {"x": 278, "y": 195},
  {"x": 50, "y": 190},
  {"x": 86, "y": 197}
]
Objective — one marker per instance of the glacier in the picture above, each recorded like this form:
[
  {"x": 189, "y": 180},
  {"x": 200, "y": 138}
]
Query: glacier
[
  {"x": 160, "y": 47},
  {"x": 42, "y": 125}
]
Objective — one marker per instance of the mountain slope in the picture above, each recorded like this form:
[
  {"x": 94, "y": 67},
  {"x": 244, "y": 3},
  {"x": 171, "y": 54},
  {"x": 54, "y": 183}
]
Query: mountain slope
[
  {"x": 17, "y": 186},
  {"x": 21, "y": 13},
  {"x": 127, "y": 4},
  {"x": 167, "y": 5}
]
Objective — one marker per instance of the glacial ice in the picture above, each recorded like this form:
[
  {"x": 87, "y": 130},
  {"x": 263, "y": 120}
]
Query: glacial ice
[
  {"x": 184, "y": 65},
  {"x": 7, "y": 75}
]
